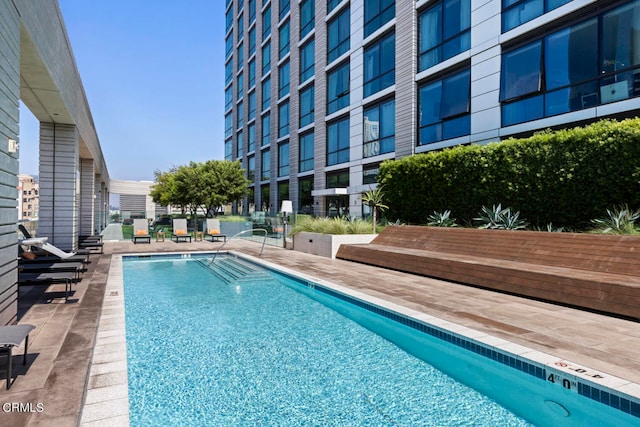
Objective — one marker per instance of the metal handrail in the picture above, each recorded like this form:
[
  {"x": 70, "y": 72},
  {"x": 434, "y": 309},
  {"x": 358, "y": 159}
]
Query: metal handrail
[{"x": 236, "y": 235}]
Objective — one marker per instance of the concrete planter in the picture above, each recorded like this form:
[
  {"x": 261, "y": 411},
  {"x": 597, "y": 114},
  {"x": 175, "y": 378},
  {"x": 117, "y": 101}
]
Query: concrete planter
[{"x": 327, "y": 245}]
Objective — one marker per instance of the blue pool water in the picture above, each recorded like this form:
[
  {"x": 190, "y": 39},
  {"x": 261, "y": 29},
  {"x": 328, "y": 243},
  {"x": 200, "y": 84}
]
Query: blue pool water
[{"x": 205, "y": 352}]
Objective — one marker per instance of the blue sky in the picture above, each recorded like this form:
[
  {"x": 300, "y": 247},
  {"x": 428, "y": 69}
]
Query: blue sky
[{"x": 153, "y": 72}]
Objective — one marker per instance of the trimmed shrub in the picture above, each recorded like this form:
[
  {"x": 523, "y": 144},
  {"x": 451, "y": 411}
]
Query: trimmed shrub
[{"x": 565, "y": 177}]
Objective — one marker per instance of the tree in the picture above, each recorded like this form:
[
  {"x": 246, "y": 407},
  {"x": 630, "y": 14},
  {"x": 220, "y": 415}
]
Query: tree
[
  {"x": 225, "y": 182},
  {"x": 375, "y": 199},
  {"x": 208, "y": 186}
]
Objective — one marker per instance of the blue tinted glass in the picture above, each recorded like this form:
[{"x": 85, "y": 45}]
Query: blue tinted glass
[
  {"x": 456, "y": 127},
  {"x": 455, "y": 95},
  {"x": 431, "y": 134},
  {"x": 570, "y": 56},
  {"x": 430, "y": 101},
  {"x": 522, "y": 111},
  {"x": 521, "y": 71}
]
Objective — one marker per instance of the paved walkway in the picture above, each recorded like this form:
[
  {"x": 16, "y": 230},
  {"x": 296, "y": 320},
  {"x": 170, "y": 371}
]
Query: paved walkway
[
  {"x": 56, "y": 374},
  {"x": 112, "y": 232}
]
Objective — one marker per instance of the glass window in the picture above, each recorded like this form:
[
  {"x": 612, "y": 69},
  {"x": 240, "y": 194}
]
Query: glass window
[
  {"x": 305, "y": 199},
  {"x": 379, "y": 65},
  {"x": 307, "y": 17},
  {"x": 285, "y": 5},
  {"x": 444, "y": 32},
  {"x": 444, "y": 108},
  {"x": 240, "y": 115},
  {"x": 338, "y": 142},
  {"x": 588, "y": 63},
  {"x": 228, "y": 149},
  {"x": 240, "y": 27},
  {"x": 266, "y": 93},
  {"x": 266, "y": 129},
  {"x": 517, "y": 12},
  {"x": 228, "y": 46},
  {"x": 252, "y": 41},
  {"x": 620, "y": 41},
  {"x": 338, "y": 88},
  {"x": 307, "y": 106},
  {"x": 283, "y": 192},
  {"x": 284, "y": 40},
  {"x": 306, "y": 152},
  {"x": 228, "y": 124},
  {"x": 266, "y": 165},
  {"x": 229, "y": 20},
  {"x": 228, "y": 97},
  {"x": 252, "y": 105},
  {"x": 252, "y": 11},
  {"x": 252, "y": 73},
  {"x": 307, "y": 60},
  {"x": 370, "y": 174},
  {"x": 283, "y": 119},
  {"x": 521, "y": 71},
  {"x": 240, "y": 144},
  {"x": 339, "y": 33},
  {"x": 377, "y": 13},
  {"x": 228, "y": 71},
  {"x": 331, "y": 4},
  {"x": 284, "y": 78},
  {"x": 266, "y": 23},
  {"x": 240, "y": 83},
  {"x": 251, "y": 143},
  {"x": 240, "y": 4},
  {"x": 379, "y": 130},
  {"x": 266, "y": 58},
  {"x": 338, "y": 179},
  {"x": 283, "y": 159},
  {"x": 240, "y": 56},
  {"x": 251, "y": 168}
]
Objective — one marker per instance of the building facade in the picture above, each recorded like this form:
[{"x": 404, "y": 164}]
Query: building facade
[
  {"x": 319, "y": 92},
  {"x": 28, "y": 197}
]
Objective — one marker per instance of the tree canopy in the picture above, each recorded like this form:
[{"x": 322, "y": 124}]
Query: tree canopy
[{"x": 207, "y": 186}]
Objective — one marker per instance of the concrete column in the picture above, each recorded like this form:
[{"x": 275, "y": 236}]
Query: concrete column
[
  {"x": 98, "y": 205},
  {"x": 88, "y": 197},
  {"x": 59, "y": 184}
]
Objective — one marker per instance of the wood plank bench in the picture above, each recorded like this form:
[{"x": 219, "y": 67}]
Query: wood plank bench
[{"x": 589, "y": 271}]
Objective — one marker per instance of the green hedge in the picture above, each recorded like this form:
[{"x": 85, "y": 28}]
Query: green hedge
[{"x": 565, "y": 177}]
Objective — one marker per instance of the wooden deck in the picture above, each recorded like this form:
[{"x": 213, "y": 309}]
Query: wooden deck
[{"x": 593, "y": 272}]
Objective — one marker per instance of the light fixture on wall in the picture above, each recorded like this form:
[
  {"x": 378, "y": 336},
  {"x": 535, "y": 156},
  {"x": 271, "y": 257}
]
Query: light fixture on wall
[{"x": 13, "y": 146}]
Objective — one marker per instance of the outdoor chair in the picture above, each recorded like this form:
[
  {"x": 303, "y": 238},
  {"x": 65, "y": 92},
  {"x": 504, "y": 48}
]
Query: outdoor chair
[
  {"x": 212, "y": 229},
  {"x": 61, "y": 254},
  {"x": 180, "y": 231},
  {"x": 12, "y": 336},
  {"x": 141, "y": 230}
]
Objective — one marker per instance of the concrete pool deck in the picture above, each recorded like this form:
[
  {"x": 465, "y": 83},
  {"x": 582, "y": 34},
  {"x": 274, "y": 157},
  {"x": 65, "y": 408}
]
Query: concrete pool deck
[{"x": 91, "y": 328}]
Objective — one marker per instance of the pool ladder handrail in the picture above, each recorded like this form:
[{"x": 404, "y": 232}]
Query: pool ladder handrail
[{"x": 236, "y": 235}]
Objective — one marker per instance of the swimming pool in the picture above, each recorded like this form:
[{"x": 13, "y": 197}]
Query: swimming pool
[{"x": 266, "y": 349}]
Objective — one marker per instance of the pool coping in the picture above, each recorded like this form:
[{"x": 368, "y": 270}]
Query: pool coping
[{"x": 109, "y": 404}]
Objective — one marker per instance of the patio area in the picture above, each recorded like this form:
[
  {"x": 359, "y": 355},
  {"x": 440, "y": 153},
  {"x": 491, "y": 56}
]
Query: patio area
[{"x": 64, "y": 341}]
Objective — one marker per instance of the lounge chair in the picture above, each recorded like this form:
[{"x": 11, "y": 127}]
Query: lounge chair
[
  {"x": 141, "y": 231},
  {"x": 56, "y": 254},
  {"x": 212, "y": 229},
  {"x": 12, "y": 336},
  {"x": 67, "y": 278},
  {"x": 26, "y": 235},
  {"x": 180, "y": 230},
  {"x": 52, "y": 267}
]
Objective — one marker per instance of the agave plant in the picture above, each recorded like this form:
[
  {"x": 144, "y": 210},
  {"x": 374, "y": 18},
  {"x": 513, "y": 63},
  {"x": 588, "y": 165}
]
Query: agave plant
[
  {"x": 620, "y": 220},
  {"x": 497, "y": 218},
  {"x": 441, "y": 219}
]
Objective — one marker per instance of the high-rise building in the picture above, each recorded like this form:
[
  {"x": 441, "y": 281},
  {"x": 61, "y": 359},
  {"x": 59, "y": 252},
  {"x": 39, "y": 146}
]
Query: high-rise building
[{"x": 319, "y": 93}]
